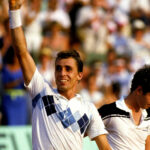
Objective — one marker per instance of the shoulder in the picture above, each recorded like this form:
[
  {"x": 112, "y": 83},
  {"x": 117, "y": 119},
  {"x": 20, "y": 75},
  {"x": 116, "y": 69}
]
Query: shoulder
[
  {"x": 39, "y": 85},
  {"x": 87, "y": 105},
  {"x": 111, "y": 110},
  {"x": 107, "y": 109}
]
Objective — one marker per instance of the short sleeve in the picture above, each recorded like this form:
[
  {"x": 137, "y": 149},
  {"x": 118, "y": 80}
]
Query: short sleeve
[
  {"x": 37, "y": 85},
  {"x": 96, "y": 126}
]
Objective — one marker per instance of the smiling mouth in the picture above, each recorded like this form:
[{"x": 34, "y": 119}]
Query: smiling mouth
[{"x": 63, "y": 81}]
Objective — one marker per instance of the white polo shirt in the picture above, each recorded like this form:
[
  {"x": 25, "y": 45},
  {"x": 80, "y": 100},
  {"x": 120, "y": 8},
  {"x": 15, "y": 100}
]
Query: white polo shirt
[
  {"x": 58, "y": 123},
  {"x": 123, "y": 133}
]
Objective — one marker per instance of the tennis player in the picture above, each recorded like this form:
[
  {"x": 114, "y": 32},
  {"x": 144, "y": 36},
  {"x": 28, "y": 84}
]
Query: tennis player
[{"x": 61, "y": 117}]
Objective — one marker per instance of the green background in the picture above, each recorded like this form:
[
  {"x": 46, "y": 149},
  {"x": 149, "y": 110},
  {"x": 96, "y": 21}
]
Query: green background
[{"x": 19, "y": 138}]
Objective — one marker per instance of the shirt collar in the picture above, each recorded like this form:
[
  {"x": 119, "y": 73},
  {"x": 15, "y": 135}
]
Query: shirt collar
[
  {"x": 77, "y": 96},
  {"x": 121, "y": 105}
]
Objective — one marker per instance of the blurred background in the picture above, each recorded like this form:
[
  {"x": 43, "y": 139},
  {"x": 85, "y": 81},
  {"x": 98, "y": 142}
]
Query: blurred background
[{"x": 112, "y": 37}]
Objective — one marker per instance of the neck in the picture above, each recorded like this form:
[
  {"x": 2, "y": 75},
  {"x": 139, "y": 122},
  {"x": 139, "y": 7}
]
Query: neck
[
  {"x": 44, "y": 66},
  {"x": 131, "y": 103},
  {"x": 67, "y": 94}
]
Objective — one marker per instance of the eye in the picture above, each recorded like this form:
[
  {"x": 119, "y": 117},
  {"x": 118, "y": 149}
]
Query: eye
[
  {"x": 68, "y": 68},
  {"x": 58, "y": 68}
]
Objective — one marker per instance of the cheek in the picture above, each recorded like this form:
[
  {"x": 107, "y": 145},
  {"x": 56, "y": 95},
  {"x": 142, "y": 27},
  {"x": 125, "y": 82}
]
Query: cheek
[
  {"x": 141, "y": 100},
  {"x": 147, "y": 97},
  {"x": 74, "y": 78},
  {"x": 55, "y": 76}
]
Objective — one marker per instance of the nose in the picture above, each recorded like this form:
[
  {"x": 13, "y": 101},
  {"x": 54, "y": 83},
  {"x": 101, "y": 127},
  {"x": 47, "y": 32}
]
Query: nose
[{"x": 63, "y": 72}]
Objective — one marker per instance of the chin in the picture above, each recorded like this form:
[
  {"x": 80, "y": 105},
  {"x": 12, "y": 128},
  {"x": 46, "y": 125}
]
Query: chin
[{"x": 62, "y": 88}]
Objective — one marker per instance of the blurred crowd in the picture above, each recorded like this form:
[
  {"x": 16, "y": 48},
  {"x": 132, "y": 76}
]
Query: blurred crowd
[{"x": 112, "y": 37}]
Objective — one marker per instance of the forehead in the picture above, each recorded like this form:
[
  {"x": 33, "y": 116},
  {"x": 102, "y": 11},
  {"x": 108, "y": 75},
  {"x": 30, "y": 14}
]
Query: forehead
[{"x": 66, "y": 62}]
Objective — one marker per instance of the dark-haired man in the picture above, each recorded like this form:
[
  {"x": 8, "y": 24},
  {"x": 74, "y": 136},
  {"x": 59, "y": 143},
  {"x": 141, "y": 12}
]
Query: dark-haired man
[
  {"x": 128, "y": 119},
  {"x": 60, "y": 118}
]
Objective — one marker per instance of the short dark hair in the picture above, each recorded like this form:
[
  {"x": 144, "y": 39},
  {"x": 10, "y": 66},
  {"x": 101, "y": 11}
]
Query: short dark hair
[
  {"x": 142, "y": 78},
  {"x": 73, "y": 54}
]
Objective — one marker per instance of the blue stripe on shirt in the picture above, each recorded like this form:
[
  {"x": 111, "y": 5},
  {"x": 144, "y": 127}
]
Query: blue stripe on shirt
[{"x": 35, "y": 100}]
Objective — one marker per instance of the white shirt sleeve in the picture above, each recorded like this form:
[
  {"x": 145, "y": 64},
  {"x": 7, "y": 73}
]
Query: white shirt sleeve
[
  {"x": 96, "y": 126},
  {"x": 37, "y": 85},
  {"x": 149, "y": 128}
]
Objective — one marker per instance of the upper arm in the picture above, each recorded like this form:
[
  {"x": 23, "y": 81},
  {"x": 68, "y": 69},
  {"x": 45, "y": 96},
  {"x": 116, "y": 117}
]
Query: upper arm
[
  {"x": 26, "y": 62},
  {"x": 96, "y": 126},
  {"x": 102, "y": 142},
  {"x": 147, "y": 145}
]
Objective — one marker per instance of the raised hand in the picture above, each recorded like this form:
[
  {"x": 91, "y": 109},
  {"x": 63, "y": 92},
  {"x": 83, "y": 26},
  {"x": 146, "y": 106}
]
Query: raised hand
[{"x": 15, "y": 4}]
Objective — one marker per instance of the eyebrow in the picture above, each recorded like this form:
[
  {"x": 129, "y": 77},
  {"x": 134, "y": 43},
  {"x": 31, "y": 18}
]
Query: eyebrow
[{"x": 63, "y": 66}]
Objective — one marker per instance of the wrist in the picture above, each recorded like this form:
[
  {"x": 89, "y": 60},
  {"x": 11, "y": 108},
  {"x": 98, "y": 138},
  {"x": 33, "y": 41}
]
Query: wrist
[{"x": 15, "y": 18}]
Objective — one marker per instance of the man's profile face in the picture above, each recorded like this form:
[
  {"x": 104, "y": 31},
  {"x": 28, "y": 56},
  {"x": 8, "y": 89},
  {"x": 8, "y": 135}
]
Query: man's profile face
[
  {"x": 66, "y": 74},
  {"x": 144, "y": 100}
]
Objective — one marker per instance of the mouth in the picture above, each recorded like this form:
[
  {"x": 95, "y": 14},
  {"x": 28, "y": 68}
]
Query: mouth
[{"x": 62, "y": 81}]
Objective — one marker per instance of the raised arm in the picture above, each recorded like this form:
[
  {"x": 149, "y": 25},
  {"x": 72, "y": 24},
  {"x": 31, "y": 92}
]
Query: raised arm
[{"x": 18, "y": 39}]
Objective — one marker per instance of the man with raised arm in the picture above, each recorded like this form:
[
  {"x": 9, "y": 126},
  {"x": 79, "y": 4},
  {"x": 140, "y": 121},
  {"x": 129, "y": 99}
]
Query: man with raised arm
[{"x": 60, "y": 117}]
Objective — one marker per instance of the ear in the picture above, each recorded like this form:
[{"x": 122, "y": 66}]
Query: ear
[
  {"x": 139, "y": 90},
  {"x": 80, "y": 75}
]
